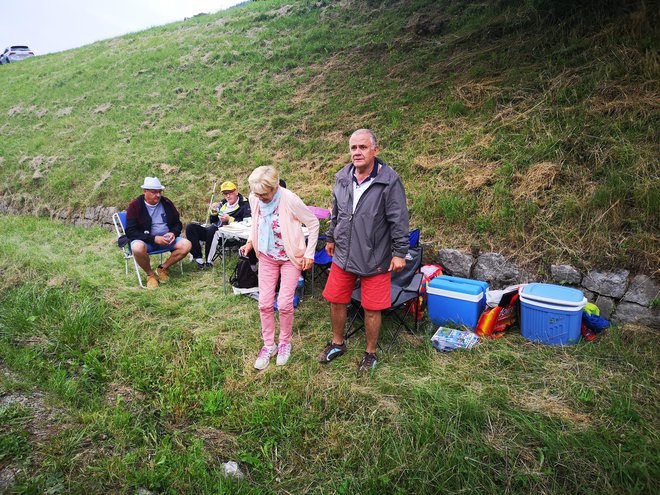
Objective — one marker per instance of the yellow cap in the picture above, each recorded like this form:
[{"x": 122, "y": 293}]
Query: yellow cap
[{"x": 228, "y": 186}]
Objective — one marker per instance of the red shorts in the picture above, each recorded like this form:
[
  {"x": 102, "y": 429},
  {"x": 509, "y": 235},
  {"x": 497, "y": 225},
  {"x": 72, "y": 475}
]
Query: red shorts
[{"x": 375, "y": 289}]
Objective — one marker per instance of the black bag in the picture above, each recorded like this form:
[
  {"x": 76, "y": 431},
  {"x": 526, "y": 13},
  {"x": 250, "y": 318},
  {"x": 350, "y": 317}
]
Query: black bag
[{"x": 245, "y": 274}]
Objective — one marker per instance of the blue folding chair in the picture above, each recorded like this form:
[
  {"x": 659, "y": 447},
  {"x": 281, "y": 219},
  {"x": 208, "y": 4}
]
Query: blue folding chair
[
  {"x": 413, "y": 238},
  {"x": 119, "y": 220},
  {"x": 322, "y": 262}
]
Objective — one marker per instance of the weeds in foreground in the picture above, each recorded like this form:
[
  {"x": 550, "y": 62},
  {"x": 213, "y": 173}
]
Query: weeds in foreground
[{"x": 156, "y": 390}]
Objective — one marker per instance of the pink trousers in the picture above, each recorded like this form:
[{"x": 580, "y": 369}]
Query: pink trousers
[{"x": 270, "y": 271}]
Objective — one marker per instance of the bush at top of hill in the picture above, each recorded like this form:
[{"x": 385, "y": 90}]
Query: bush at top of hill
[{"x": 525, "y": 127}]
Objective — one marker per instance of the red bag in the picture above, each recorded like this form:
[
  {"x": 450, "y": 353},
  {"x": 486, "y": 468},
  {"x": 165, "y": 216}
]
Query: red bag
[{"x": 418, "y": 306}]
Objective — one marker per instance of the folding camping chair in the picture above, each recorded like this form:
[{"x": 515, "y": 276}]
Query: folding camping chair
[
  {"x": 119, "y": 220},
  {"x": 322, "y": 262},
  {"x": 405, "y": 286}
]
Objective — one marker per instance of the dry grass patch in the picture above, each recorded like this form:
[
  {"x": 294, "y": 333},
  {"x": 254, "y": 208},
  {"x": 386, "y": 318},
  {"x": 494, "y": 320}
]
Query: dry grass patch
[
  {"x": 475, "y": 94},
  {"x": 545, "y": 403},
  {"x": 63, "y": 112},
  {"x": 477, "y": 175},
  {"x": 537, "y": 178},
  {"x": 102, "y": 108},
  {"x": 641, "y": 99}
]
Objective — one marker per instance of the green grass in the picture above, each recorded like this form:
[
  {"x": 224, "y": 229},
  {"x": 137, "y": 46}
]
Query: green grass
[
  {"x": 156, "y": 390},
  {"x": 130, "y": 389},
  {"x": 450, "y": 87}
]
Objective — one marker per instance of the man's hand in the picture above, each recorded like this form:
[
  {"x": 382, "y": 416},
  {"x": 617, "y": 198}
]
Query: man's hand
[
  {"x": 397, "y": 264},
  {"x": 214, "y": 208},
  {"x": 224, "y": 218},
  {"x": 330, "y": 248},
  {"x": 307, "y": 264},
  {"x": 165, "y": 240}
]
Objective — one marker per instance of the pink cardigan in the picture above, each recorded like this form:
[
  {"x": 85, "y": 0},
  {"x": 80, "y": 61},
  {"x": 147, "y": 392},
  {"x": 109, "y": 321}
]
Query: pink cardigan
[{"x": 292, "y": 213}]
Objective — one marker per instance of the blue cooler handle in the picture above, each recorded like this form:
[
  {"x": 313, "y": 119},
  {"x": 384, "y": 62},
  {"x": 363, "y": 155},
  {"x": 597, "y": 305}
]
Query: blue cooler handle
[{"x": 537, "y": 304}]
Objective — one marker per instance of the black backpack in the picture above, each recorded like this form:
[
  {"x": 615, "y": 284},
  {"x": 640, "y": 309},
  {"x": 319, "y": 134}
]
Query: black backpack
[{"x": 245, "y": 274}]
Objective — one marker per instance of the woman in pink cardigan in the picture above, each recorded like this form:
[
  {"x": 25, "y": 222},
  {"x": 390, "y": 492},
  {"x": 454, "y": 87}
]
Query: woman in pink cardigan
[{"x": 279, "y": 243}]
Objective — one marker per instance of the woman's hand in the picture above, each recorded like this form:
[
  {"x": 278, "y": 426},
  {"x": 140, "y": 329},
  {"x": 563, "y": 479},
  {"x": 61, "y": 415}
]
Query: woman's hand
[
  {"x": 307, "y": 264},
  {"x": 245, "y": 248}
]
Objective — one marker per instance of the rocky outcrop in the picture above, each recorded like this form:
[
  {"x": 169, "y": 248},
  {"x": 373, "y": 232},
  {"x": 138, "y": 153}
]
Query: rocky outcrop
[
  {"x": 497, "y": 271},
  {"x": 565, "y": 274},
  {"x": 455, "y": 262},
  {"x": 612, "y": 284},
  {"x": 643, "y": 290}
]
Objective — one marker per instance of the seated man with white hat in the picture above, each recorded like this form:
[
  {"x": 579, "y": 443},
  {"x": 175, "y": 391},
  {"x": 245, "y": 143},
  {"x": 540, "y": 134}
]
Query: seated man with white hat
[
  {"x": 234, "y": 208},
  {"x": 152, "y": 223}
]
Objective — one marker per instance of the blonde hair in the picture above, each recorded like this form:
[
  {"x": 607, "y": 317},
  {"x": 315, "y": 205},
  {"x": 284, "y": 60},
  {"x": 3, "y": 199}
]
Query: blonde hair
[{"x": 264, "y": 178}]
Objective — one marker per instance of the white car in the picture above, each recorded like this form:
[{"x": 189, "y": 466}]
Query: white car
[{"x": 15, "y": 54}]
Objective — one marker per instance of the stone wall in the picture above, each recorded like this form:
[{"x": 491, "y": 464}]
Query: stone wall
[
  {"x": 89, "y": 217},
  {"x": 619, "y": 296}
]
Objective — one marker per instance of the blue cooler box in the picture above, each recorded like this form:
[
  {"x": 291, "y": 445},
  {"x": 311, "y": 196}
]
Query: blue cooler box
[
  {"x": 551, "y": 314},
  {"x": 456, "y": 302}
]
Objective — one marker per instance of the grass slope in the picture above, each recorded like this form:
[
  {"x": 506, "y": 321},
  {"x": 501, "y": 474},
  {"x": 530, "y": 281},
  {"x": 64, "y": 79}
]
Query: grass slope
[
  {"x": 107, "y": 388},
  {"x": 527, "y": 127}
]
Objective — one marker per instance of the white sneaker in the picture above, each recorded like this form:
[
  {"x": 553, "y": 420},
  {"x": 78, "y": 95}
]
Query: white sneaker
[
  {"x": 283, "y": 354},
  {"x": 264, "y": 356}
]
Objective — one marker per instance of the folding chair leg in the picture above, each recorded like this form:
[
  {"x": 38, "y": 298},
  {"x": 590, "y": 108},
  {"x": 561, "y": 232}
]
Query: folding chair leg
[
  {"x": 349, "y": 331},
  {"x": 402, "y": 324},
  {"x": 137, "y": 270}
]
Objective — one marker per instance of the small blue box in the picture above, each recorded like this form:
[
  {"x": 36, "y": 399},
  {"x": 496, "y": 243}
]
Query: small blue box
[
  {"x": 456, "y": 302},
  {"x": 551, "y": 314}
]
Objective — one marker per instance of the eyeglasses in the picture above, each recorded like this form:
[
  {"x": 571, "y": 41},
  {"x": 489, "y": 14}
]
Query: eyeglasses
[{"x": 154, "y": 191}]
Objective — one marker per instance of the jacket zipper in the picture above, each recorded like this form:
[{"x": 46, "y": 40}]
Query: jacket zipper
[{"x": 350, "y": 220}]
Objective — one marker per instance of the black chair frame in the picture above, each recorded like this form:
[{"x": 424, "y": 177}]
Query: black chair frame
[{"x": 402, "y": 291}]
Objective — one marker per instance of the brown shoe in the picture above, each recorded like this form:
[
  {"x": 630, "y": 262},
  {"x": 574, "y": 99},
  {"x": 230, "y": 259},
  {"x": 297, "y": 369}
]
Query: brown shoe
[
  {"x": 163, "y": 276},
  {"x": 332, "y": 351},
  {"x": 152, "y": 281},
  {"x": 368, "y": 363}
]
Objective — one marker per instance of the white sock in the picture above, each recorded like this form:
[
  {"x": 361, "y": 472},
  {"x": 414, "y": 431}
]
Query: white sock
[{"x": 199, "y": 260}]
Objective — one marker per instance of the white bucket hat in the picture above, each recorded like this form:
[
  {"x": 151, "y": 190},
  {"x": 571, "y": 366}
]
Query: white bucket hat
[{"x": 152, "y": 183}]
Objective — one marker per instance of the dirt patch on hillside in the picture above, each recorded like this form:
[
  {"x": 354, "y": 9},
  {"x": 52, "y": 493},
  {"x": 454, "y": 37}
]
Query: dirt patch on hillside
[
  {"x": 46, "y": 421},
  {"x": 122, "y": 393},
  {"x": 102, "y": 108},
  {"x": 63, "y": 112},
  {"x": 15, "y": 110}
]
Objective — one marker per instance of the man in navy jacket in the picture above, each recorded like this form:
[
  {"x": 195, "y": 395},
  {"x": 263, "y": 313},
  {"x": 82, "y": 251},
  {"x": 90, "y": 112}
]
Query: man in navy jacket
[{"x": 153, "y": 223}]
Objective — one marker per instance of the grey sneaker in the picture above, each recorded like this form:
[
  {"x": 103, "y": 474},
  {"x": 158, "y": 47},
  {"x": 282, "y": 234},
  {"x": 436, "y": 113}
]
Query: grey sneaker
[
  {"x": 264, "y": 356},
  {"x": 368, "y": 363},
  {"x": 283, "y": 354},
  {"x": 332, "y": 351}
]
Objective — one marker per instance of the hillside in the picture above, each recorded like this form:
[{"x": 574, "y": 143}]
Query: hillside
[{"x": 529, "y": 128}]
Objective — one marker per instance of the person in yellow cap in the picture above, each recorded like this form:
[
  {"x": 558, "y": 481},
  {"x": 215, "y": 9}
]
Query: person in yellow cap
[{"x": 234, "y": 208}]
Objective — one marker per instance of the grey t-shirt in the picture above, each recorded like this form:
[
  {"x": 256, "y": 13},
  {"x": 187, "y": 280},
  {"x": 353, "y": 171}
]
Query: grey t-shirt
[{"x": 158, "y": 219}]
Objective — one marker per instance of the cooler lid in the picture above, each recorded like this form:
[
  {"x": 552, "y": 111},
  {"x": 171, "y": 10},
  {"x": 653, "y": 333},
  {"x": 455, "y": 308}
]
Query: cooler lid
[
  {"x": 553, "y": 294},
  {"x": 460, "y": 285}
]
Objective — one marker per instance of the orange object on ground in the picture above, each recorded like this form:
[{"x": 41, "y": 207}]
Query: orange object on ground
[{"x": 493, "y": 322}]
